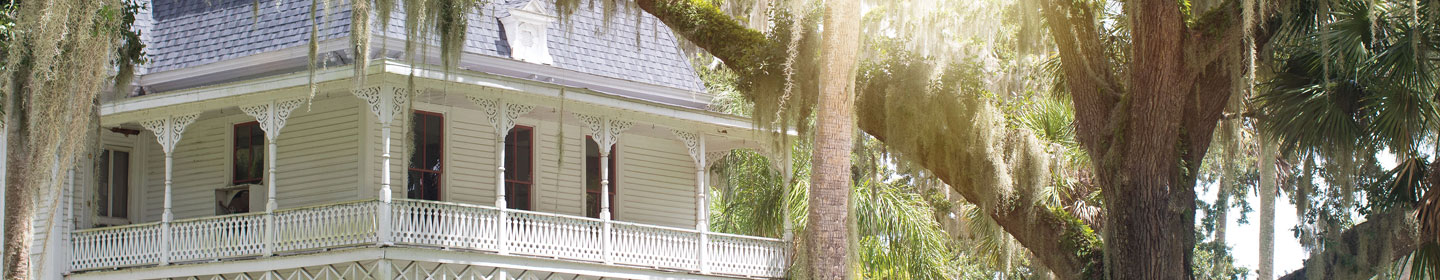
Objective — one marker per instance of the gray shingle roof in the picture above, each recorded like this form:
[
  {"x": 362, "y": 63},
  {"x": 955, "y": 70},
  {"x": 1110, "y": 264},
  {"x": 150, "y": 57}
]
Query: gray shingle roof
[{"x": 189, "y": 33}]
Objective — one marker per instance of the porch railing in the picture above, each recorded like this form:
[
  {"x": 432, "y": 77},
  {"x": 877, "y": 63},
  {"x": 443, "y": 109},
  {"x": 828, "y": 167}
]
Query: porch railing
[{"x": 415, "y": 223}]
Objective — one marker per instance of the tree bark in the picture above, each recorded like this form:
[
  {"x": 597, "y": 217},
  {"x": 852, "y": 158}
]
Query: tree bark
[
  {"x": 1268, "y": 151},
  {"x": 1147, "y": 199},
  {"x": 19, "y": 193},
  {"x": 828, "y": 237}
]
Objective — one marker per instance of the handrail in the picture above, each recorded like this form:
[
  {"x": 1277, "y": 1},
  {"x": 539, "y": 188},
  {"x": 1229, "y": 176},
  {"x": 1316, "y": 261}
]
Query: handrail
[
  {"x": 685, "y": 230},
  {"x": 435, "y": 224},
  {"x": 119, "y": 227},
  {"x": 712, "y": 233},
  {"x": 357, "y": 201}
]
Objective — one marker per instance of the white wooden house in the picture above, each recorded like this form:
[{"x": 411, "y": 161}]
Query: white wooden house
[{"x": 224, "y": 166}]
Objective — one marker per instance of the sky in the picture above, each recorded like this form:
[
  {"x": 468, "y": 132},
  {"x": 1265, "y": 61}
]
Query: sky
[{"x": 1244, "y": 239}]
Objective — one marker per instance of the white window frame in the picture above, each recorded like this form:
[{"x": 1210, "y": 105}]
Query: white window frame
[{"x": 131, "y": 189}]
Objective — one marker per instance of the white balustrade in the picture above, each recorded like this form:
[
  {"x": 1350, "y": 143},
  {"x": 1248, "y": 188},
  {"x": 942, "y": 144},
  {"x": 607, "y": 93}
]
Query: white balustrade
[
  {"x": 448, "y": 225},
  {"x": 325, "y": 226},
  {"x": 746, "y": 255},
  {"x": 431, "y": 224},
  {"x": 217, "y": 237},
  {"x": 115, "y": 247},
  {"x": 653, "y": 246},
  {"x": 551, "y": 235}
]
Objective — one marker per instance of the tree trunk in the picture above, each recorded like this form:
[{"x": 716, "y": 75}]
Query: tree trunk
[
  {"x": 834, "y": 129},
  {"x": 1268, "y": 152},
  {"x": 19, "y": 193},
  {"x": 1151, "y": 203}
]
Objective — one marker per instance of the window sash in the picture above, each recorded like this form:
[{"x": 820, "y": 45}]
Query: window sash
[
  {"x": 113, "y": 185},
  {"x": 249, "y": 139},
  {"x": 427, "y": 125},
  {"x": 519, "y": 156}
]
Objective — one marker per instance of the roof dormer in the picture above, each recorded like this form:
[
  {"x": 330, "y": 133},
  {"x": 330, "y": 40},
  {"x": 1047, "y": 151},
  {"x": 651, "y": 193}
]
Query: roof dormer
[{"x": 526, "y": 27}]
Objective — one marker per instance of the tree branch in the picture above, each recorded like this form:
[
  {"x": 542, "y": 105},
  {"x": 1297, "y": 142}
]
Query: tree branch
[
  {"x": 704, "y": 24},
  {"x": 967, "y": 150},
  {"x": 1381, "y": 239},
  {"x": 1087, "y": 71}
]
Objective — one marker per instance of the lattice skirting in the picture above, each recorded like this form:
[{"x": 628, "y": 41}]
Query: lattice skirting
[{"x": 401, "y": 270}]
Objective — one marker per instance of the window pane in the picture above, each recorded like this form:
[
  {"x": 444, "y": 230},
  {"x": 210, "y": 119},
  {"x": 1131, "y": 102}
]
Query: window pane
[
  {"x": 432, "y": 186},
  {"x": 415, "y": 188},
  {"x": 517, "y": 196},
  {"x": 592, "y": 205},
  {"x": 257, "y": 148},
  {"x": 592, "y": 167},
  {"x": 432, "y": 142},
  {"x": 102, "y": 188},
  {"x": 423, "y": 185},
  {"x": 249, "y": 154},
  {"x": 518, "y": 154},
  {"x": 241, "y": 154},
  {"x": 120, "y": 184},
  {"x": 417, "y": 158}
]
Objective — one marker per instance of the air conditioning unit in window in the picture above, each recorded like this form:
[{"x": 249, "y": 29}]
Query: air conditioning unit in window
[{"x": 242, "y": 198}]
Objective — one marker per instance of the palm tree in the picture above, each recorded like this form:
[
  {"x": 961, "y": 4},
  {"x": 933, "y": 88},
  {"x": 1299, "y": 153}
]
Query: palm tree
[
  {"x": 834, "y": 126},
  {"x": 897, "y": 235},
  {"x": 1351, "y": 77}
]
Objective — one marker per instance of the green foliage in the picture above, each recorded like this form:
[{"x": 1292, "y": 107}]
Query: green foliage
[
  {"x": 1217, "y": 255},
  {"x": 1378, "y": 88},
  {"x": 131, "y": 51}
]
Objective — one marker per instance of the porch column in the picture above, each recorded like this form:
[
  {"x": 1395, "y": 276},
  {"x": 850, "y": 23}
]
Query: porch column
[
  {"x": 4, "y": 159},
  {"x": 787, "y": 173},
  {"x": 605, "y": 131},
  {"x": 271, "y": 116},
  {"x": 695, "y": 144},
  {"x": 168, "y": 131},
  {"x": 386, "y": 102},
  {"x": 502, "y": 115}
]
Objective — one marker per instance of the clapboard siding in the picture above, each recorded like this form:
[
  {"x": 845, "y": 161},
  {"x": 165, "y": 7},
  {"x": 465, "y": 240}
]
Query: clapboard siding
[
  {"x": 469, "y": 158},
  {"x": 560, "y": 183},
  {"x": 317, "y": 163},
  {"x": 657, "y": 182},
  {"x": 316, "y": 160},
  {"x": 45, "y": 212}
]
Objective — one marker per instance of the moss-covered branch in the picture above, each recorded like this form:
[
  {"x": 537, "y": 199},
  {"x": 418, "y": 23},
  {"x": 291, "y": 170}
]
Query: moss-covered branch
[
  {"x": 1383, "y": 238},
  {"x": 958, "y": 137},
  {"x": 704, "y": 24}
]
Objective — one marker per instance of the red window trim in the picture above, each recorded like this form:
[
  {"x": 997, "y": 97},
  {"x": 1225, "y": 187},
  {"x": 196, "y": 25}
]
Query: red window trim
[
  {"x": 531, "y": 183},
  {"x": 531, "y": 130},
  {"x": 236, "y": 145},
  {"x": 439, "y": 174}
]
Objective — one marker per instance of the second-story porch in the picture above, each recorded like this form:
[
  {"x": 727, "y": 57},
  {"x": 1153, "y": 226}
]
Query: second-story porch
[
  {"x": 180, "y": 157},
  {"x": 405, "y": 223}
]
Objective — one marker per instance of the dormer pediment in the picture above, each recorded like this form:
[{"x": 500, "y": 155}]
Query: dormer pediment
[{"x": 527, "y": 29}]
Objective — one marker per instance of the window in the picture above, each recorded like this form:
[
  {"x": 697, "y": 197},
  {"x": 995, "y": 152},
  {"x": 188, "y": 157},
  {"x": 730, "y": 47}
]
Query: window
[
  {"x": 425, "y": 164},
  {"x": 519, "y": 171},
  {"x": 249, "y": 154},
  {"x": 592, "y": 179},
  {"x": 112, "y": 192}
]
